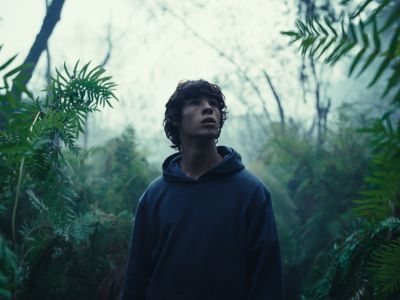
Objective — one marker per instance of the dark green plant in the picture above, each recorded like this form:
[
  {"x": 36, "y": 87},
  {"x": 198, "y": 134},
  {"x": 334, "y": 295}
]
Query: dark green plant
[
  {"x": 321, "y": 182},
  {"x": 36, "y": 187},
  {"x": 8, "y": 269},
  {"x": 321, "y": 39},
  {"x": 363, "y": 264}
]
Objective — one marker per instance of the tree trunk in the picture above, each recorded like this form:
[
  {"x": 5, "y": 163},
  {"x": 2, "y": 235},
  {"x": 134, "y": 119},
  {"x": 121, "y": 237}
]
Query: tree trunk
[{"x": 39, "y": 45}]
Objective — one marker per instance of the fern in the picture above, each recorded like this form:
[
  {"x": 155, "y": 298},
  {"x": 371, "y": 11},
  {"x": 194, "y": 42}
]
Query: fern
[
  {"x": 319, "y": 39},
  {"x": 80, "y": 226},
  {"x": 8, "y": 269},
  {"x": 356, "y": 268},
  {"x": 33, "y": 133},
  {"x": 386, "y": 267},
  {"x": 382, "y": 198}
]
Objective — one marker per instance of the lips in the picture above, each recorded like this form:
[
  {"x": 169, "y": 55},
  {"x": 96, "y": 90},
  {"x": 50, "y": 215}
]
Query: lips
[{"x": 208, "y": 120}]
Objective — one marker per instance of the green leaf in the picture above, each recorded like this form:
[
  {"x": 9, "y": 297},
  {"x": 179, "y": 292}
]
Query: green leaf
[
  {"x": 357, "y": 59},
  {"x": 393, "y": 17},
  {"x": 83, "y": 70},
  {"x": 75, "y": 70},
  {"x": 388, "y": 59},
  {"x": 368, "y": 62},
  {"x": 380, "y": 71},
  {"x": 373, "y": 15},
  {"x": 66, "y": 71},
  {"x": 377, "y": 41},
  {"x": 329, "y": 59},
  {"x": 330, "y": 26},
  {"x": 360, "y": 9},
  {"x": 11, "y": 73},
  {"x": 327, "y": 46},
  {"x": 7, "y": 63},
  {"x": 393, "y": 80},
  {"x": 62, "y": 77},
  {"x": 313, "y": 51},
  {"x": 353, "y": 32},
  {"x": 290, "y": 33},
  {"x": 386, "y": 265},
  {"x": 321, "y": 27}
]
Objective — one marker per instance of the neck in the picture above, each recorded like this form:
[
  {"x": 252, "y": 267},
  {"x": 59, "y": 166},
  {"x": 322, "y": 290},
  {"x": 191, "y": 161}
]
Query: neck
[{"x": 197, "y": 159}]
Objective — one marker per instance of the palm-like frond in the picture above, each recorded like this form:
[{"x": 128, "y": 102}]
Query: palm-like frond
[
  {"x": 80, "y": 226},
  {"x": 319, "y": 39},
  {"x": 386, "y": 267},
  {"x": 382, "y": 197},
  {"x": 379, "y": 203}
]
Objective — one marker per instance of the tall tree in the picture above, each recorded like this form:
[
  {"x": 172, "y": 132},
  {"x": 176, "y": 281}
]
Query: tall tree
[{"x": 53, "y": 14}]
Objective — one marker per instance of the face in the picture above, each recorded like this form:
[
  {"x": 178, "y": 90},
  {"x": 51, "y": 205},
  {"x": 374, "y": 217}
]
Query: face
[{"x": 200, "y": 118}]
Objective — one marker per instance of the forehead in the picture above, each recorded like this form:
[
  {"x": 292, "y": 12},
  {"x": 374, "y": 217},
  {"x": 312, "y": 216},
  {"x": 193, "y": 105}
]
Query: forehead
[{"x": 201, "y": 98}]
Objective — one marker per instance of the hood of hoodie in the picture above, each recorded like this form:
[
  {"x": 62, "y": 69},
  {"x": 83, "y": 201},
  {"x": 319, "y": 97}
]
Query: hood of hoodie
[{"x": 231, "y": 163}]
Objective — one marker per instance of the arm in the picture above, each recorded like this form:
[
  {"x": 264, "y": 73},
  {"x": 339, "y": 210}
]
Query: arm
[
  {"x": 137, "y": 271},
  {"x": 263, "y": 259}
]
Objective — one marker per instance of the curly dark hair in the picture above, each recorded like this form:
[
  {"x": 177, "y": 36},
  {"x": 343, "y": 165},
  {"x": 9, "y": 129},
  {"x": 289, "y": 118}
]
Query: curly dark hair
[{"x": 186, "y": 90}]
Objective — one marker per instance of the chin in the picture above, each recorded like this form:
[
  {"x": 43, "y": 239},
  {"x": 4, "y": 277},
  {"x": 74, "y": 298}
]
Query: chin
[{"x": 206, "y": 135}]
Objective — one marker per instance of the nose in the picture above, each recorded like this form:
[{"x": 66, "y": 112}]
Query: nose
[{"x": 207, "y": 109}]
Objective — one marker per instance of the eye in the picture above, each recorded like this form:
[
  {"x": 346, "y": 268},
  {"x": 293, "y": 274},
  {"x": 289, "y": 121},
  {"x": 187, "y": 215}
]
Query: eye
[
  {"x": 213, "y": 103},
  {"x": 193, "y": 102}
]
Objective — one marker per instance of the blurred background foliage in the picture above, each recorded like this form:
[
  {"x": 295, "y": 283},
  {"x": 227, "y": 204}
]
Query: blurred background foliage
[{"x": 66, "y": 211}]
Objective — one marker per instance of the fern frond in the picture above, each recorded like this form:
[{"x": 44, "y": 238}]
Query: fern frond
[
  {"x": 322, "y": 39},
  {"x": 80, "y": 226},
  {"x": 36, "y": 201},
  {"x": 386, "y": 267}
]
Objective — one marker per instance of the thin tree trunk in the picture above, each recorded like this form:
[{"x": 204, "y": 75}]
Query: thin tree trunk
[
  {"x": 39, "y": 45},
  {"x": 106, "y": 59},
  {"x": 48, "y": 57},
  {"x": 278, "y": 100}
]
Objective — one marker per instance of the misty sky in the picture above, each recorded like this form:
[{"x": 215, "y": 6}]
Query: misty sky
[{"x": 155, "y": 44}]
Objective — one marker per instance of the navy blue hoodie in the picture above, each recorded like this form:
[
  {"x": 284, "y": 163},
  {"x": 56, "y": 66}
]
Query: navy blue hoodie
[{"x": 213, "y": 238}]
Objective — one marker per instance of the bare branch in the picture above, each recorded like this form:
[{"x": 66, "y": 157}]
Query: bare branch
[
  {"x": 109, "y": 44},
  {"x": 278, "y": 100},
  {"x": 48, "y": 57},
  {"x": 39, "y": 45},
  {"x": 220, "y": 52}
]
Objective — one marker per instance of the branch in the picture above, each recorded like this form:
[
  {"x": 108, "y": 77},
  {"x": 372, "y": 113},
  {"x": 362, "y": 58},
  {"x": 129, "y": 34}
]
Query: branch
[
  {"x": 39, "y": 45},
  {"x": 241, "y": 71},
  {"x": 110, "y": 46},
  {"x": 48, "y": 57},
  {"x": 278, "y": 100}
]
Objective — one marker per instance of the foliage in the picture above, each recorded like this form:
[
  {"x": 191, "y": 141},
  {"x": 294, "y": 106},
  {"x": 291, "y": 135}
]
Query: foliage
[
  {"x": 71, "y": 210},
  {"x": 54, "y": 233},
  {"x": 8, "y": 269},
  {"x": 363, "y": 264},
  {"x": 319, "y": 39},
  {"x": 320, "y": 181},
  {"x": 121, "y": 173}
]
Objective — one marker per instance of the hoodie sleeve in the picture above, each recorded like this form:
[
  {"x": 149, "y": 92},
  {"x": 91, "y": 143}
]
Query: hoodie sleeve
[
  {"x": 263, "y": 259},
  {"x": 137, "y": 271}
]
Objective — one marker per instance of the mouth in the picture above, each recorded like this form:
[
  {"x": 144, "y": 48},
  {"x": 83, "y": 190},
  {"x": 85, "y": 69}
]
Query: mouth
[{"x": 208, "y": 121}]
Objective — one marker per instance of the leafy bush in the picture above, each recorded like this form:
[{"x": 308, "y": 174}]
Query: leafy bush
[{"x": 364, "y": 264}]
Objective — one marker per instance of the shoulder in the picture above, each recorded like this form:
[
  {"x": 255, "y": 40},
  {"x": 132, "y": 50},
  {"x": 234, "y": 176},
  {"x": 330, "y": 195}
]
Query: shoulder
[
  {"x": 249, "y": 181},
  {"x": 156, "y": 184},
  {"x": 154, "y": 188}
]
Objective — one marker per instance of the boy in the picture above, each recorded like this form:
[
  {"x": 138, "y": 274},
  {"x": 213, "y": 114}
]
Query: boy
[{"x": 205, "y": 229}]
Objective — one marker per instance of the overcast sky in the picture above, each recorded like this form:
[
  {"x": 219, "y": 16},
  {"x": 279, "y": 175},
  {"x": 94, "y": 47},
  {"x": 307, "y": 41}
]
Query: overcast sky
[{"x": 158, "y": 43}]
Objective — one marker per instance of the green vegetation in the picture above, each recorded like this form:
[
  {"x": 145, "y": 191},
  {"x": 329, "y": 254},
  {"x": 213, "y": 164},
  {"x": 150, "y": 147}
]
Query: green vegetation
[
  {"x": 363, "y": 262},
  {"x": 65, "y": 213}
]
